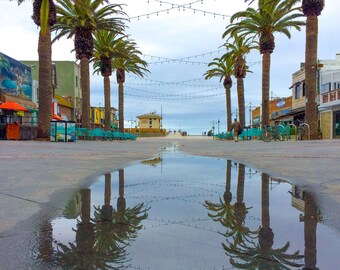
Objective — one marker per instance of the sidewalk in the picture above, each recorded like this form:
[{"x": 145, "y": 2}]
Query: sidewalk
[{"x": 37, "y": 173}]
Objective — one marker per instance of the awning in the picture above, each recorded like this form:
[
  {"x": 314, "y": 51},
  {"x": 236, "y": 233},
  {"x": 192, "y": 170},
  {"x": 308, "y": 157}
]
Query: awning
[
  {"x": 297, "y": 83},
  {"x": 296, "y": 111},
  {"x": 57, "y": 117}
]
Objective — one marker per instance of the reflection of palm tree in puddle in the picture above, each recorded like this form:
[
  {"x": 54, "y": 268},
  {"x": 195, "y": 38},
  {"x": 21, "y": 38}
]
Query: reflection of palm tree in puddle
[
  {"x": 262, "y": 255},
  {"x": 311, "y": 218},
  {"x": 230, "y": 216},
  {"x": 100, "y": 243}
]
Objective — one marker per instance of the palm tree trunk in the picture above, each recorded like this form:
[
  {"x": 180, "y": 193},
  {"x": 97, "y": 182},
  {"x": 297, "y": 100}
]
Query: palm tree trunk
[
  {"x": 265, "y": 88},
  {"x": 227, "y": 194},
  {"x": 310, "y": 223},
  {"x": 266, "y": 235},
  {"x": 107, "y": 197},
  {"x": 85, "y": 87},
  {"x": 240, "y": 183},
  {"x": 121, "y": 203},
  {"x": 107, "y": 94},
  {"x": 240, "y": 97},
  {"x": 85, "y": 205},
  {"x": 310, "y": 71},
  {"x": 228, "y": 106},
  {"x": 121, "y": 106},
  {"x": 45, "y": 85},
  {"x": 265, "y": 201}
]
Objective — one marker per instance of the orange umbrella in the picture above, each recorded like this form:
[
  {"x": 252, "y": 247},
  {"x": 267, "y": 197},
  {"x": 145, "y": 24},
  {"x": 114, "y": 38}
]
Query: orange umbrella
[{"x": 13, "y": 106}]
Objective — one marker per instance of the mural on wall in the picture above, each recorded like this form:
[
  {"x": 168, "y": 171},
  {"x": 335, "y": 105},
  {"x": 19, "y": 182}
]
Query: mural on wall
[{"x": 15, "y": 78}]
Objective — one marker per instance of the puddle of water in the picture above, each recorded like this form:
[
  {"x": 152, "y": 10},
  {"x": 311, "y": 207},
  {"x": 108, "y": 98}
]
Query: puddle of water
[{"x": 183, "y": 212}]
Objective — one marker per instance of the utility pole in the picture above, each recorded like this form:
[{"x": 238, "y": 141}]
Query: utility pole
[{"x": 250, "y": 114}]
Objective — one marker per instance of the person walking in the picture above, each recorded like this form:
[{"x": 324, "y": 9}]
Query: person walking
[{"x": 236, "y": 126}]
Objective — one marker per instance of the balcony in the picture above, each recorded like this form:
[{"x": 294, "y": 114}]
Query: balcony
[{"x": 330, "y": 98}]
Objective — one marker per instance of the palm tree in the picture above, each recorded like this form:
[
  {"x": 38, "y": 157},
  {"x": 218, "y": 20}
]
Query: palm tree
[
  {"x": 223, "y": 211},
  {"x": 44, "y": 15},
  {"x": 311, "y": 218},
  {"x": 263, "y": 256},
  {"x": 312, "y": 9},
  {"x": 76, "y": 21},
  {"x": 238, "y": 49},
  {"x": 107, "y": 45},
  {"x": 272, "y": 16},
  {"x": 232, "y": 217},
  {"x": 224, "y": 69},
  {"x": 133, "y": 64}
]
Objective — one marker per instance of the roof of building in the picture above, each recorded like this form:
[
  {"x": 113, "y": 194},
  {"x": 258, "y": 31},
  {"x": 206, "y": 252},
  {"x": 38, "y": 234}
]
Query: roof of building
[
  {"x": 28, "y": 104},
  {"x": 149, "y": 115}
]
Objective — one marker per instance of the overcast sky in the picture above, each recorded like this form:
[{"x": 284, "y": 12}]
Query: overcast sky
[{"x": 192, "y": 38}]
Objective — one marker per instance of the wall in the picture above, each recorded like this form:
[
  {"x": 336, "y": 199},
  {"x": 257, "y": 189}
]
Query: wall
[
  {"x": 325, "y": 123},
  {"x": 15, "y": 78}
]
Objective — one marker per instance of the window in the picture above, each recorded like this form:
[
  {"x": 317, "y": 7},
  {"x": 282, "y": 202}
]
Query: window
[
  {"x": 150, "y": 121},
  {"x": 76, "y": 81},
  {"x": 303, "y": 89},
  {"x": 336, "y": 85},
  {"x": 297, "y": 91},
  {"x": 326, "y": 87}
]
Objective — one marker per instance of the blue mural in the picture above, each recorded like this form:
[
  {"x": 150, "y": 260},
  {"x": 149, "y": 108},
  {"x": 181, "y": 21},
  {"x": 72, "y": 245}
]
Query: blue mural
[{"x": 15, "y": 78}]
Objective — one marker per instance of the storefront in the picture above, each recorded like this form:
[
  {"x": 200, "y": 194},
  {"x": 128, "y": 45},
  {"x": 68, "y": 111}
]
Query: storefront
[{"x": 16, "y": 88}]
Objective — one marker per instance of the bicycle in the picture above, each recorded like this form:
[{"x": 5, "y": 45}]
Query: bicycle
[{"x": 269, "y": 133}]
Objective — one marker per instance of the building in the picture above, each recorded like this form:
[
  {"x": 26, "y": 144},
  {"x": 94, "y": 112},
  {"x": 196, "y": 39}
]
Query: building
[
  {"x": 66, "y": 88},
  {"x": 151, "y": 120},
  {"x": 149, "y": 125},
  {"x": 329, "y": 108},
  {"x": 16, "y": 85},
  {"x": 329, "y": 96},
  {"x": 97, "y": 117},
  {"x": 279, "y": 112}
]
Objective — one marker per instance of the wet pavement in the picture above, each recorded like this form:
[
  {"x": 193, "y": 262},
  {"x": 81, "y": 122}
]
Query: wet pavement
[{"x": 173, "y": 211}]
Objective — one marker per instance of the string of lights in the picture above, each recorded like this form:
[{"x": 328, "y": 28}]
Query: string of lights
[
  {"x": 165, "y": 82},
  {"x": 179, "y": 7},
  {"x": 171, "y": 84},
  {"x": 185, "y": 58},
  {"x": 150, "y": 97},
  {"x": 189, "y": 94}
]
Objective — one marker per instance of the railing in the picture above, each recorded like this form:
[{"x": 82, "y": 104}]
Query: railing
[
  {"x": 330, "y": 96},
  {"x": 303, "y": 129}
]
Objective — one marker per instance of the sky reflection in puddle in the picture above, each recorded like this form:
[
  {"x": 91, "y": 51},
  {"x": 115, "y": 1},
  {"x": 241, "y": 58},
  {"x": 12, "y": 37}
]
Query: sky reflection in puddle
[{"x": 183, "y": 212}]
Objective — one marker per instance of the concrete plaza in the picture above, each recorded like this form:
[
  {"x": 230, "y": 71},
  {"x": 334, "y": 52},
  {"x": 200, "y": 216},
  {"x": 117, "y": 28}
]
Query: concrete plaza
[{"x": 34, "y": 174}]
